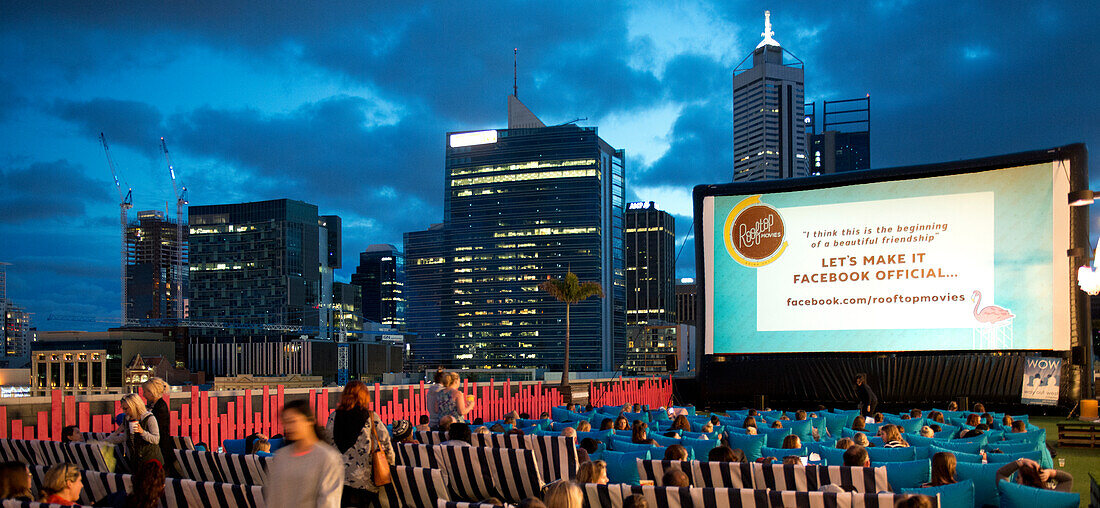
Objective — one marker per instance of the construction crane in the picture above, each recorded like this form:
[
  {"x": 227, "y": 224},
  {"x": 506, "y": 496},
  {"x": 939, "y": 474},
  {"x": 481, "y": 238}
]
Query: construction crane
[
  {"x": 125, "y": 203},
  {"x": 181, "y": 201}
]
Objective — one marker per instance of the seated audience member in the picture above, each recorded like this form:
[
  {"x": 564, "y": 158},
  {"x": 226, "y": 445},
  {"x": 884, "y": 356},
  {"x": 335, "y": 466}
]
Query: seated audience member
[
  {"x": 532, "y": 502},
  {"x": 15, "y": 481},
  {"x": 201, "y": 446},
  {"x": 672, "y": 433},
  {"x": 860, "y": 439},
  {"x": 877, "y": 417},
  {"x": 423, "y": 426},
  {"x": 715, "y": 421},
  {"x": 491, "y": 501},
  {"x": 62, "y": 484},
  {"x": 860, "y": 423},
  {"x": 514, "y": 432},
  {"x": 979, "y": 407},
  {"x": 681, "y": 423},
  {"x": 584, "y": 426},
  {"x": 973, "y": 420},
  {"x": 778, "y": 424},
  {"x": 478, "y": 421},
  {"x": 927, "y": 431},
  {"x": 943, "y": 469},
  {"x": 445, "y": 423},
  {"x": 563, "y": 494},
  {"x": 607, "y": 424},
  {"x": 676, "y": 452},
  {"x": 524, "y": 416},
  {"x": 675, "y": 478},
  {"x": 915, "y": 413},
  {"x": 752, "y": 412},
  {"x": 588, "y": 408},
  {"x": 593, "y": 472},
  {"x": 458, "y": 434},
  {"x": 784, "y": 417},
  {"x": 982, "y": 427},
  {"x": 793, "y": 460},
  {"x": 708, "y": 428},
  {"x": 749, "y": 422},
  {"x": 856, "y": 456},
  {"x": 1019, "y": 426},
  {"x": 148, "y": 487},
  {"x": 1006, "y": 421},
  {"x": 641, "y": 434},
  {"x": 750, "y": 431},
  {"x": 569, "y": 432},
  {"x": 967, "y": 434},
  {"x": 71, "y": 434},
  {"x": 914, "y": 501},
  {"x": 800, "y": 415},
  {"x": 262, "y": 447},
  {"x": 1028, "y": 472},
  {"x": 891, "y": 437},
  {"x": 582, "y": 454},
  {"x": 906, "y": 417},
  {"x": 936, "y": 427},
  {"x": 483, "y": 430},
  {"x": 495, "y": 428},
  {"x": 952, "y": 406},
  {"x": 766, "y": 460},
  {"x": 590, "y": 445},
  {"x": 720, "y": 454},
  {"x": 792, "y": 442},
  {"x": 544, "y": 415},
  {"x": 987, "y": 419},
  {"x": 621, "y": 423},
  {"x": 935, "y": 416},
  {"x": 635, "y": 501},
  {"x": 844, "y": 443},
  {"x": 571, "y": 407}
]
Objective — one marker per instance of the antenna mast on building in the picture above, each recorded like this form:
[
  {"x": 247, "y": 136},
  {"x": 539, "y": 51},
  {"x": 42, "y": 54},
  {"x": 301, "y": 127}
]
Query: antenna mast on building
[
  {"x": 124, "y": 203},
  {"x": 181, "y": 201},
  {"x": 515, "y": 72}
]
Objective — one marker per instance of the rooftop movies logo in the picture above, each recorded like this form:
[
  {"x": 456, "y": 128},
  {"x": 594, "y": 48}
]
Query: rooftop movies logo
[{"x": 754, "y": 233}]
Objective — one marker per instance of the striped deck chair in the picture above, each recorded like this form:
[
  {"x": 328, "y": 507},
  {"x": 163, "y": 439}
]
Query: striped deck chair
[
  {"x": 863, "y": 479},
  {"x": 810, "y": 499},
  {"x": 220, "y": 495},
  {"x": 557, "y": 455},
  {"x": 727, "y": 475},
  {"x": 419, "y": 486},
  {"x": 661, "y": 497},
  {"x": 15, "y": 503},
  {"x": 463, "y": 504},
  {"x": 774, "y": 476},
  {"x": 182, "y": 443},
  {"x": 883, "y": 500},
  {"x": 417, "y": 455},
  {"x": 515, "y": 473},
  {"x": 173, "y": 492},
  {"x": 430, "y": 437},
  {"x": 243, "y": 469},
  {"x": 95, "y": 436},
  {"x": 468, "y": 473},
  {"x": 97, "y": 456},
  {"x": 655, "y": 469},
  {"x": 51, "y": 452},
  {"x": 702, "y": 497},
  {"x": 603, "y": 496},
  {"x": 38, "y": 475},
  {"x": 98, "y": 485},
  {"x": 500, "y": 440},
  {"x": 198, "y": 466},
  {"x": 21, "y": 450}
]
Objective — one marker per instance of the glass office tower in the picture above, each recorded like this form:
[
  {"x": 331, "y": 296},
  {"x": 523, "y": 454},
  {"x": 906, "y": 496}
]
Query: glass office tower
[{"x": 381, "y": 279}]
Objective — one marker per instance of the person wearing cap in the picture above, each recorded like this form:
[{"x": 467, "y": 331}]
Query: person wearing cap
[{"x": 403, "y": 432}]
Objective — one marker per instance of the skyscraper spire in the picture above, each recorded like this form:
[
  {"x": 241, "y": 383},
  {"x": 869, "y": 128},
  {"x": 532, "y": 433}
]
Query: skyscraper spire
[
  {"x": 515, "y": 73},
  {"x": 768, "y": 32}
]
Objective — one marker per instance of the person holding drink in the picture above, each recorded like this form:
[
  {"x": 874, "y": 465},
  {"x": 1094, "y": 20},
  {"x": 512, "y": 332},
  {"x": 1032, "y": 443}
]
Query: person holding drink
[
  {"x": 451, "y": 401},
  {"x": 140, "y": 430}
]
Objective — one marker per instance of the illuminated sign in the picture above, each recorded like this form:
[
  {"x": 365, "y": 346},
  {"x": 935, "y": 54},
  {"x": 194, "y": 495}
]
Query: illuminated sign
[
  {"x": 473, "y": 138},
  {"x": 640, "y": 205}
]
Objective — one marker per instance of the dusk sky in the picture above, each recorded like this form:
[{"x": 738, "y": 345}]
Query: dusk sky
[{"x": 346, "y": 104}]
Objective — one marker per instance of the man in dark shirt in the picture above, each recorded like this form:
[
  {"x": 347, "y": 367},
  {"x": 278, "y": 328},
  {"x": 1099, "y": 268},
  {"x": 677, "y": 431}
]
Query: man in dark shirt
[{"x": 867, "y": 399}]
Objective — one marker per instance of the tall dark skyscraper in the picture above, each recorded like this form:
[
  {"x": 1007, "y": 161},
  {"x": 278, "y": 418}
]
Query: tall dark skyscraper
[
  {"x": 769, "y": 134},
  {"x": 262, "y": 263},
  {"x": 150, "y": 267},
  {"x": 425, "y": 290},
  {"x": 381, "y": 279},
  {"x": 523, "y": 204},
  {"x": 843, "y": 142},
  {"x": 650, "y": 238}
]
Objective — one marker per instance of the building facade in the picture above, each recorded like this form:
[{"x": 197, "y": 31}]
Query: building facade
[
  {"x": 650, "y": 248},
  {"x": 652, "y": 349},
  {"x": 686, "y": 296},
  {"x": 769, "y": 133},
  {"x": 425, "y": 290},
  {"x": 521, "y": 205},
  {"x": 840, "y": 135},
  {"x": 261, "y": 267},
  {"x": 92, "y": 362},
  {"x": 16, "y": 333},
  {"x": 381, "y": 280},
  {"x": 152, "y": 251}
]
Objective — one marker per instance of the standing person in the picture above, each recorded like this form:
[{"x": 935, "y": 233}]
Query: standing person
[
  {"x": 306, "y": 472},
  {"x": 140, "y": 430},
  {"x": 431, "y": 399},
  {"x": 356, "y": 432},
  {"x": 867, "y": 399},
  {"x": 451, "y": 401},
  {"x": 153, "y": 390}
]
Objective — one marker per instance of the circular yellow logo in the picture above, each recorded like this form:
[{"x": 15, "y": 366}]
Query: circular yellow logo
[{"x": 754, "y": 233}]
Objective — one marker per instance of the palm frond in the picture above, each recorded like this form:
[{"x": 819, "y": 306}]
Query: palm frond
[{"x": 570, "y": 289}]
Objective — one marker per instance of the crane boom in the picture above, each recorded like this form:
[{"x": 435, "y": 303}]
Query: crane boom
[
  {"x": 181, "y": 200},
  {"x": 125, "y": 202}
]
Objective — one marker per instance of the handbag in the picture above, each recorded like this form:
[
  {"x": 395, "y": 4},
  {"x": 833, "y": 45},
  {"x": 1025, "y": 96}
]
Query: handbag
[{"x": 380, "y": 464}]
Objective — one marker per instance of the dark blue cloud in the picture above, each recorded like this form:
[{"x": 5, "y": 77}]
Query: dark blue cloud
[{"x": 49, "y": 191}]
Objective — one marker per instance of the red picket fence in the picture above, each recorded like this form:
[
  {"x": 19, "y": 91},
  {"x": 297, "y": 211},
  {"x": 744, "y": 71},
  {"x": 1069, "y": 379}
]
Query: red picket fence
[{"x": 201, "y": 419}]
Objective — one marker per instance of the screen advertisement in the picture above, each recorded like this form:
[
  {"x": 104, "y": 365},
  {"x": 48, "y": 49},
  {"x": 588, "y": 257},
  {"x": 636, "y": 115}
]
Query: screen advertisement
[{"x": 970, "y": 261}]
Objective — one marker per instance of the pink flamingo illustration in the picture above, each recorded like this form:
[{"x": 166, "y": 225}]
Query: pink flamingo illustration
[{"x": 991, "y": 313}]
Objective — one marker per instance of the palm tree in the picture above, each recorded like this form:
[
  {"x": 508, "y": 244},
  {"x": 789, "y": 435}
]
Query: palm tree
[{"x": 571, "y": 291}]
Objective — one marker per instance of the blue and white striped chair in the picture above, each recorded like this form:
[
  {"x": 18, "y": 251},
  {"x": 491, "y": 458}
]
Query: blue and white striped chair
[{"x": 419, "y": 486}]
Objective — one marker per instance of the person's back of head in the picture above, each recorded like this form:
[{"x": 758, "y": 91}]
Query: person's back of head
[
  {"x": 936, "y": 427},
  {"x": 532, "y": 502},
  {"x": 446, "y": 422},
  {"x": 459, "y": 432},
  {"x": 1006, "y": 421},
  {"x": 752, "y": 412},
  {"x": 859, "y": 423},
  {"x": 792, "y": 460},
  {"x": 606, "y": 424},
  {"x": 792, "y": 442},
  {"x": 800, "y": 415},
  {"x": 592, "y": 472},
  {"x": 675, "y": 478},
  {"x": 496, "y": 428},
  {"x": 424, "y": 420},
  {"x": 676, "y": 452},
  {"x": 952, "y": 406},
  {"x": 261, "y": 445},
  {"x": 915, "y": 413},
  {"x": 590, "y": 445},
  {"x": 584, "y": 426},
  {"x": 973, "y": 419},
  {"x": 860, "y": 439},
  {"x": 906, "y": 417},
  {"x": 778, "y": 424},
  {"x": 856, "y": 456},
  {"x": 720, "y": 454},
  {"x": 914, "y": 501},
  {"x": 569, "y": 432},
  {"x": 1019, "y": 426},
  {"x": 943, "y": 468},
  {"x": 15, "y": 481},
  {"x": 979, "y": 407},
  {"x": 491, "y": 501},
  {"x": 563, "y": 494},
  {"x": 936, "y": 416},
  {"x": 635, "y": 501},
  {"x": 844, "y": 442},
  {"x": 926, "y": 431},
  {"x": 440, "y": 376},
  {"x": 148, "y": 485}
]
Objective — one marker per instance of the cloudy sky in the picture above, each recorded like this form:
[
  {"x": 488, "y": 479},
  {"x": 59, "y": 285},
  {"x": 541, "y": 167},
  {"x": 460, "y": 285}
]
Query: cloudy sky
[{"x": 346, "y": 104}]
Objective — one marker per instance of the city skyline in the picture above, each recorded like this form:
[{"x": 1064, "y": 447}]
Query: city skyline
[{"x": 347, "y": 108}]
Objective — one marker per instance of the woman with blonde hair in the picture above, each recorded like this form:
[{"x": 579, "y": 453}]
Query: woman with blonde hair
[
  {"x": 451, "y": 401},
  {"x": 564, "y": 494},
  {"x": 356, "y": 432},
  {"x": 153, "y": 390},
  {"x": 140, "y": 430},
  {"x": 593, "y": 472},
  {"x": 62, "y": 484},
  {"x": 891, "y": 437}
]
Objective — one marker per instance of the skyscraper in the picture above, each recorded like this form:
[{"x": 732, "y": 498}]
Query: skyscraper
[
  {"x": 381, "y": 280},
  {"x": 15, "y": 328},
  {"x": 844, "y": 140},
  {"x": 425, "y": 290},
  {"x": 523, "y": 204},
  {"x": 152, "y": 248},
  {"x": 650, "y": 238},
  {"x": 260, "y": 263},
  {"x": 769, "y": 134}
]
